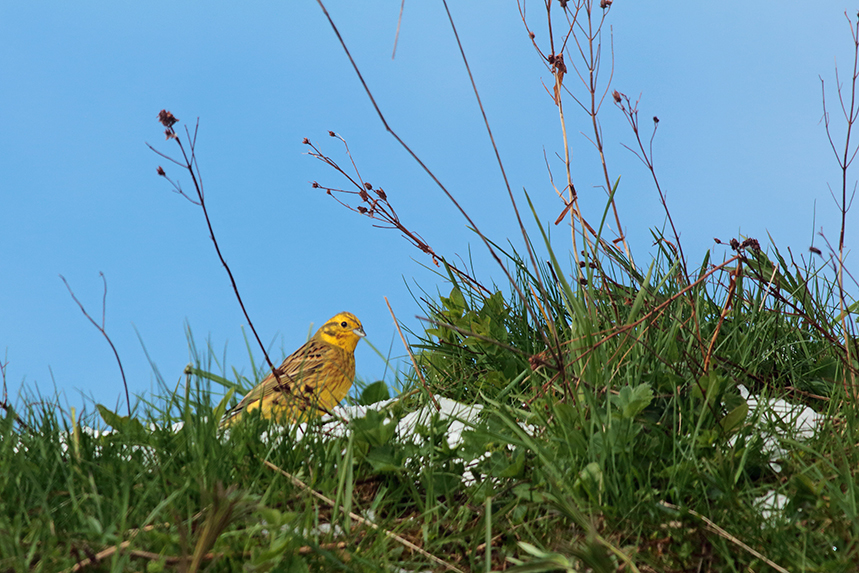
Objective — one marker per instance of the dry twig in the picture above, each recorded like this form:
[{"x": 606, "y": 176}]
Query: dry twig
[
  {"x": 405, "y": 542},
  {"x": 189, "y": 164},
  {"x": 101, "y": 329}
]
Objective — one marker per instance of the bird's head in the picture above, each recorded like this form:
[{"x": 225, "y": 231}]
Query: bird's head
[{"x": 343, "y": 330}]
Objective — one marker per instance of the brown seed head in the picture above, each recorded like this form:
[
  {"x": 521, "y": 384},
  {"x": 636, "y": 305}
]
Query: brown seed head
[
  {"x": 752, "y": 244},
  {"x": 166, "y": 118}
]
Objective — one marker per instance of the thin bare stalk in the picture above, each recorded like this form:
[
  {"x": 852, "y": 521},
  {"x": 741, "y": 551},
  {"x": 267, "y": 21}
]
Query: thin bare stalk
[
  {"x": 101, "y": 329},
  {"x": 630, "y": 112},
  {"x": 331, "y": 503},
  {"x": 554, "y": 62},
  {"x": 587, "y": 37},
  {"x": 711, "y": 526},
  {"x": 435, "y": 179},
  {"x": 504, "y": 176},
  {"x": 845, "y": 158},
  {"x": 590, "y": 52},
  {"x": 412, "y": 357},
  {"x": 399, "y": 21},
  {"x": 376, "y": 205},
  {"x": 189, "y": 164}
]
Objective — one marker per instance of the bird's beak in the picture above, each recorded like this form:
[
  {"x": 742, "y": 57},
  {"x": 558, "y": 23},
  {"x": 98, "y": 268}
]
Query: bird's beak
[{"x": 359, "y": 332}]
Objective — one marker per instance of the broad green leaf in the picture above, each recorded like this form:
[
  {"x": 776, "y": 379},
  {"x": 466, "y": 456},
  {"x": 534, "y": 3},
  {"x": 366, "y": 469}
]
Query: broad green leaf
[
  {"x": 375, "y": 392},
  {"x": 735, "y": 418}
]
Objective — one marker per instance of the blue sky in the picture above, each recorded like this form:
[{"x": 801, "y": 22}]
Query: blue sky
[{"x": 741, "y": 149}]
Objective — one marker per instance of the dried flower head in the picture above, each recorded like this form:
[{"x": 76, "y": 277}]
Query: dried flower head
[
  {"x": 166, "y": 118},
  {"x": 752, "y": 244}
]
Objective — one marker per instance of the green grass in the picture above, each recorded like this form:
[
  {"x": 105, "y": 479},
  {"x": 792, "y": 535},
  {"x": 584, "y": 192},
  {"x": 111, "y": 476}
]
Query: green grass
[
  {"x": 603, "y": 442},
  {"x": 613, "y": 433}
]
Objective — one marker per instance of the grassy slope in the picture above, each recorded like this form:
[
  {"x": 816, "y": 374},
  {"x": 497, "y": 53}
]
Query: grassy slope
[
  {"x": 612, "y": 457},
  {"x": 613, "y": 435}
]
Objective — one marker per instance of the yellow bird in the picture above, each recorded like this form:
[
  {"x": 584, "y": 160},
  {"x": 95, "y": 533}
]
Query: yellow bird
[{"x": 313, "y": 379}]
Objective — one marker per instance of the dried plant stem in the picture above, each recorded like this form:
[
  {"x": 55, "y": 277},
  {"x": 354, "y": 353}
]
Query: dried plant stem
[
  {"x": 101, "y": 329},
  {"x": 399, "y": 21},
  {"x": 630, "y": 112},
  {"x": 377, "y": 207},
  {"x": 572, "y": 199},
  {"x": 732, "y": 288},
  {"x": 405, "y": 542},
  {"x": 725, "y": 535},
  {"x": 845, "y": 158},
  {"x": 79, "y": 566},
  {"x": 589, "y": 52},
  {"x": 592, "y": 64},
  {"x": 189, "y": 164},
  {"x": 528, "y": 307},
  {"x": 412, "y": 357},
  {"x": 556, "y": 341}
]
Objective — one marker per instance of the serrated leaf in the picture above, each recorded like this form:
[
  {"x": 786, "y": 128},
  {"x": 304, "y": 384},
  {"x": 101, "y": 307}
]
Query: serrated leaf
[{"x": 631, "y": 401}]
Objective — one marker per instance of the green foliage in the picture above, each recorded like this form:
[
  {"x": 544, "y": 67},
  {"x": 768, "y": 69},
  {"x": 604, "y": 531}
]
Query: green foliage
[
  {"x": 611, "y": 420},
  {"x": 472, "y": 346},
  {"x": 614, "y": 433}
]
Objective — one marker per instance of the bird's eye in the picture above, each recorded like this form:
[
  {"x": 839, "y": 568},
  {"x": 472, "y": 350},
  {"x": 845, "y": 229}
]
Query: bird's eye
[{"x": 343, "y": 324}]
